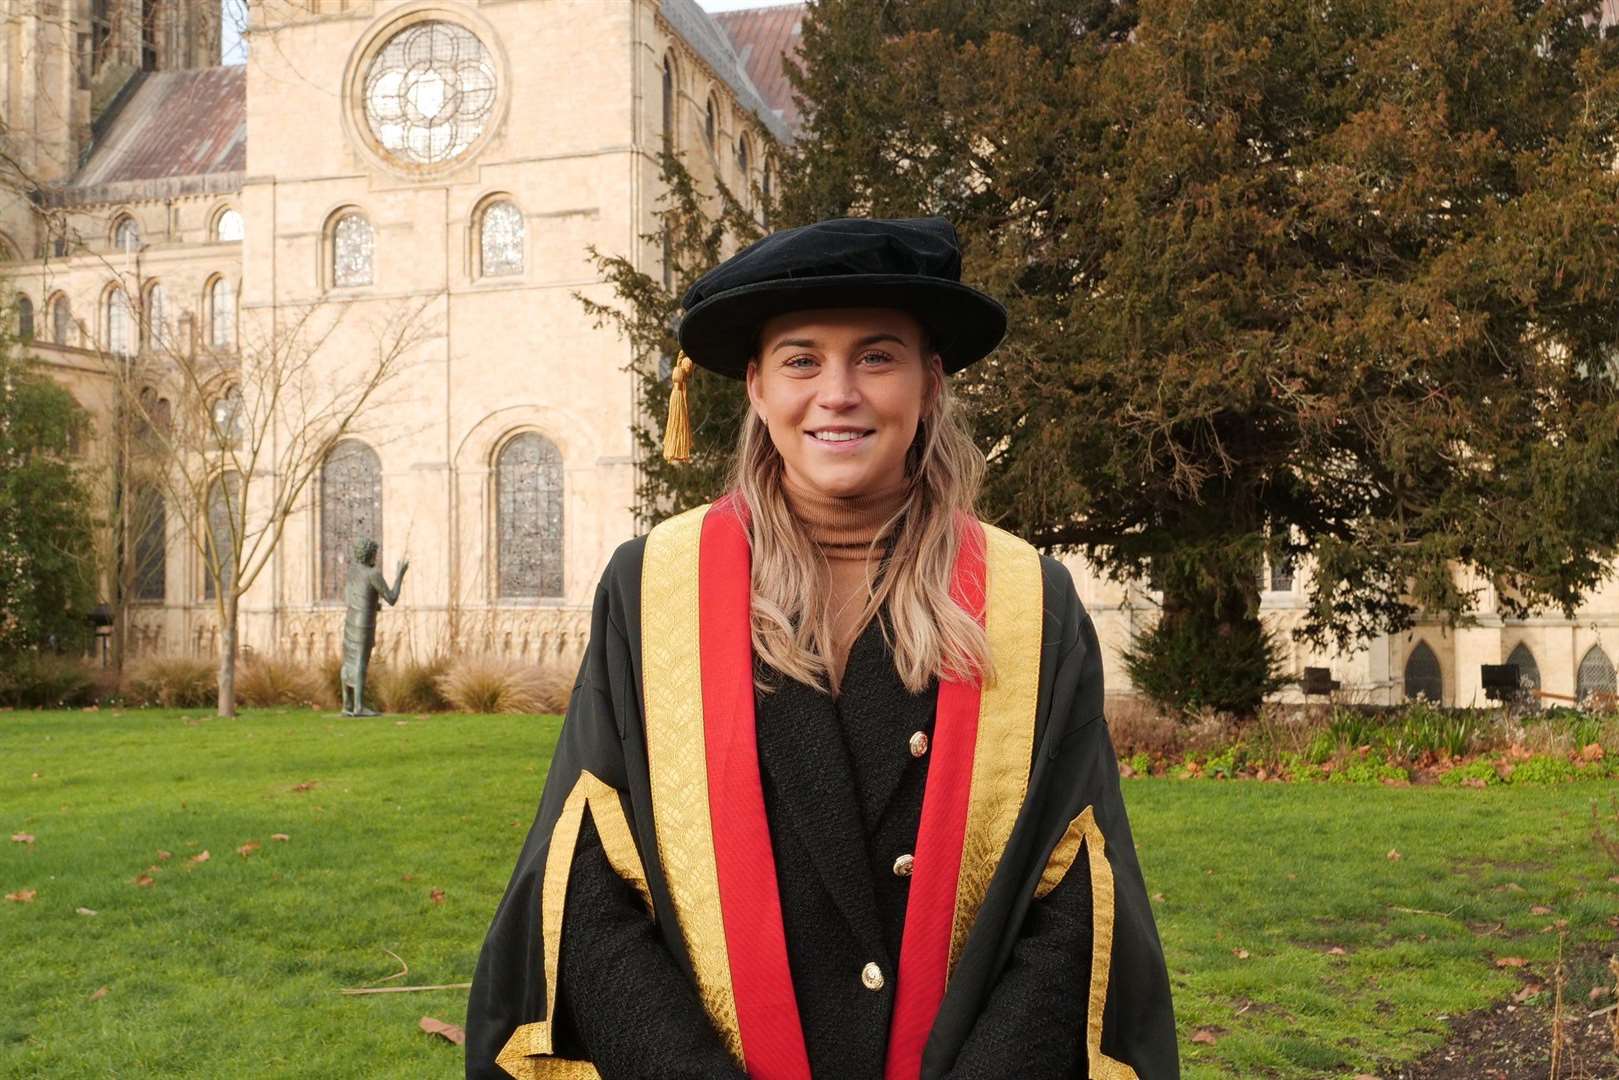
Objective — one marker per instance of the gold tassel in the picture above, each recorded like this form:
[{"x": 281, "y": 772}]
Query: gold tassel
[{"x": 677, "y": 430}]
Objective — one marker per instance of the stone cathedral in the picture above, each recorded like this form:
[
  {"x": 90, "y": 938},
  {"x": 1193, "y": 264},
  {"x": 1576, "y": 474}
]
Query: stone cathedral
[{"x": 459, "y": 157}]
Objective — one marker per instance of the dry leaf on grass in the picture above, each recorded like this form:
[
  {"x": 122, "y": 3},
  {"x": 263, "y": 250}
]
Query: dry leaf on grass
[
  {"x": 1510, "y": 961},
  {"x": 1540, "y": 909},
  {"x": 164, "y": 856},
  {"x": 248, "y": 848},
  {"x": 438, "y": 1027},
  {"x": 1527, "y": 991},
  {"x": 86, "y": 911},
  {"x": 144, "y": 880},
  {"x": 201, "y": 856},
  {"x": 1240, "y": 954},
  {"x": 280, "y": 836},
  {"x": 1394, "y": 855},
  {"x": 22, "y": 896},
  {"x": 99, "y": 994},
  {"x": 22, "y": 838},
  {"x": 1337, "y": 950},
  {"x": 1205, "y": 1036},
  {"x": 437, "y": 896},
  {"x": 307, "y": 785}
]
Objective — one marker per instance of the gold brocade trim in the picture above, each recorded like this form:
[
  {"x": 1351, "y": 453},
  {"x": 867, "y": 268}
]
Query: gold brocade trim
[
  {"x": 526, "y": 1053},
  {"x": 1084, "y": 826},
  {"x": 672, "y": 681},
  {"x": 1062, "y": 858},
  {"x": 1014, "y": 605}
]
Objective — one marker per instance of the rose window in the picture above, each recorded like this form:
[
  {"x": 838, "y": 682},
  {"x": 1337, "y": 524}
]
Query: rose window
[{"x": 429, "y": 92}]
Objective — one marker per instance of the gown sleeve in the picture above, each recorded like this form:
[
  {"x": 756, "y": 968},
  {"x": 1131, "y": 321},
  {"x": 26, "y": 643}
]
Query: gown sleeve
[{"x": 580, "y": 870}]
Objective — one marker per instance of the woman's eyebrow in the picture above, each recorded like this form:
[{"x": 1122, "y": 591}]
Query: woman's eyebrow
[{"x": 809, "y": 343}]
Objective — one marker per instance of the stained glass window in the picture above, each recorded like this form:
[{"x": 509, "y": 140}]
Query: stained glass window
[
  {"x": 352, "y": 248},
  {"x": 528, "y": 512},
  {"x": 350, "y": 507},
  {"x": 25, "y": 318},
  {"x": 502, "y": 239},
  {"x": 229, "y": 226},
  {"x": 222, "y": 313},
  {"x": 61, "y": 321},
  {"x": 157, "y": 332},
  {"x": 1422, "y": 674},
  {"x": 224, "y": 525},
  {"x": 430, "y": 92},
  {"x": 150, "y": 525},
  {"x": 120, "y": 342},
  {"x": 127, "y": 236},
  {"x": 1595, "y": 675}
]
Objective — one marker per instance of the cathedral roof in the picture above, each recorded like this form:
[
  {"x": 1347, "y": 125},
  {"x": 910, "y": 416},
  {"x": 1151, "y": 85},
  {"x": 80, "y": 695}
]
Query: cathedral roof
[
  {"x": 764, "y": 37},
  {"x": 171, "y": 133},
  {"x": 699, "y": 30}
]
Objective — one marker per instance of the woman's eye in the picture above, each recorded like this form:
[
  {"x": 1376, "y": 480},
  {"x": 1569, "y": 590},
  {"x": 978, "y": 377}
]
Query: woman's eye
[
  {"x": 875, "y": 358},
  {"x": 799, "y": 362}
]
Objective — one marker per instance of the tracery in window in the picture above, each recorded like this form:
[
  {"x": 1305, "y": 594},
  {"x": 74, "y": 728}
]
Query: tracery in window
[
  {"x": 227, "y": 416},
  {"x": 353, "y": 247},
  {"x": 25, "y": 318},
  {"x": 229, "y": 227},
  {"x": 61, "y": 320},
  {"x": 224, "y": 528},
  {"x": 126, "y": 236},
  {"x": 151, "y": 543},
  {"x": 119, "y": 324},
  {"x": 1281, "y": 574},
  {"x": 430, "y": 92},
  {"x": 501, "y": 237},
  {"x": 1528, "y": 670},
  {"x": 528, "y": 517},
  {"x": 350, "y": 507},
  {"x": 1595, "y": 675},
  {"x": 222, "y": 313},
  {"x": 158, "y": 337},
  {"x": 1422, "y": 675}
]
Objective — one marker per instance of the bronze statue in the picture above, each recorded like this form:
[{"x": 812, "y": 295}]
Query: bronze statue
[{"x": 363, "y": 592}]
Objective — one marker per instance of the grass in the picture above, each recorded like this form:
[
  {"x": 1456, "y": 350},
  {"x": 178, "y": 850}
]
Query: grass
[{"x": 233, "y": 965}]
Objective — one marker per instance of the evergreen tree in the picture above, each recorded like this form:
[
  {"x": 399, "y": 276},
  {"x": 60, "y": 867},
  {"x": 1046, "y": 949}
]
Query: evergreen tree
[{"x": 1337, "y": 280}]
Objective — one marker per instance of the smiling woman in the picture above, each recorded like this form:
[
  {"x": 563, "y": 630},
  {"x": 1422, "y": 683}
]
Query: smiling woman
[{"x": 834, "y": 796}]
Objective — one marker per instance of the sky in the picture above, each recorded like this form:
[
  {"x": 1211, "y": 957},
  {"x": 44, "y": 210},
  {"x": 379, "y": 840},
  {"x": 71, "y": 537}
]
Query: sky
[{"x": 232, "y": 50}]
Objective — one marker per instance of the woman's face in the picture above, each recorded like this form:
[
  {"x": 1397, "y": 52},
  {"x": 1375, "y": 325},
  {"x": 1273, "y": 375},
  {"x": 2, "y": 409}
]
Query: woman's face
[{"x": 841, "y": 391}]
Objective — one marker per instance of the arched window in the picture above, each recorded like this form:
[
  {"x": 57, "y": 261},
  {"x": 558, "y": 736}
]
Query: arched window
[
  {"x": 158, "y": 337},
  {"x": 353, "y": 247},
  {"x": 350, "y": 508},
  {"x": 744, "y": 159},
  {"x": 668, "y": 104},
  {"x": 119, "y": 325},
  {"x": 1528, "y": 670},
  {"x": 1595, "y": 675},
  {"x": 225, "y": 520},
  {"x": 227, "y": 415},
  {"x": 61, "y": 320},
  {"x": 1422, "y": 675},
  {"x": 151, "y": 545},
  {"x": 25, "y": 318},
  {"x": 228, "y": 226},
  {"x": 711, "y": 124},
  {"x": 500, "y": 238},
  {"x": 528, "y": 517},
  {"x": 222, "y": 313},
  {"x": 1281, "y": 574},
  {"x": 126, "y": 235}
]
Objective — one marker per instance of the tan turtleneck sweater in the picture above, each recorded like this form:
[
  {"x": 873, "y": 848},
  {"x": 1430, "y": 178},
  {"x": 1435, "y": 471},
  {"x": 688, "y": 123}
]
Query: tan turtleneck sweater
[{"x": 844, "y": 528}]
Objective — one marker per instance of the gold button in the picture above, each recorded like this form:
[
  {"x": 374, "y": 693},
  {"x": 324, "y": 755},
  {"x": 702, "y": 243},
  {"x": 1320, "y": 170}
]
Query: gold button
[
  {"x": 919, "y": 744},
  {"x": 903, "y": 865},
  {"x": 872, "y": 976}
]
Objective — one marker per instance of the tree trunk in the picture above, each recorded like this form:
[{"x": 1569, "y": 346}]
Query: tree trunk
[{"x": 227, "y": 654}]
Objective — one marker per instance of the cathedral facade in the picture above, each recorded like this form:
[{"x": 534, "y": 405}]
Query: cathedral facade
[{"x": 459, "y": 159}]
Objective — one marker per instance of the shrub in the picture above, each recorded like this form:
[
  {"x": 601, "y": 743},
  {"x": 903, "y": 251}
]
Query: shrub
[
  {"x": 1192, "y": 663},
  {"x": 411, "y": 686},
  {"x": 1224, "y": 764},
  {"x": 32, "y": 680},
  {"x": 1141, "y": 763},
  {"x": 175, "y": 682},
  {"x": 490, "y": 684},
  {"x": 1543, "y": 769},
  {"x": 1138, "y": 726},
  {"x": 1481, "y": 769},
  {"x": 272, "y": 680},
  {"x": 1369, "y": 771}
]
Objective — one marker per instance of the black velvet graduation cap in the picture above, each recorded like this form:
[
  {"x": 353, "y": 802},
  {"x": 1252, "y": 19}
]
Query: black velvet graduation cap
[{"x": 909, "y": 263}]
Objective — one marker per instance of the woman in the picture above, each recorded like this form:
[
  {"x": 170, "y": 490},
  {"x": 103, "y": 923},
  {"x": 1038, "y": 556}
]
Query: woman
[{"x": 834, "y": 797}]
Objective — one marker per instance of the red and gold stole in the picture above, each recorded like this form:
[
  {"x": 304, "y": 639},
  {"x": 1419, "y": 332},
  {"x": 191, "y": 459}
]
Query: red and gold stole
[{"x": 708, "y": 800}]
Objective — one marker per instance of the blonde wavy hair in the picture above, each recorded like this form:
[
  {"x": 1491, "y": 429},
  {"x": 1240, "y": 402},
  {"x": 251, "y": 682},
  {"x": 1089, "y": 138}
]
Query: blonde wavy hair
[{"x": 929, "y": 633}]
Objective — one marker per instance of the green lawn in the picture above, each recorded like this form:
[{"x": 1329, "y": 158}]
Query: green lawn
[{"x": 232, "y": 966}]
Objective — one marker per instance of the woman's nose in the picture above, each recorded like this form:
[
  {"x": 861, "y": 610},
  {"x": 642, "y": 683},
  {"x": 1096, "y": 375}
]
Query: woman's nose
[{"x": 837, "y": 389}]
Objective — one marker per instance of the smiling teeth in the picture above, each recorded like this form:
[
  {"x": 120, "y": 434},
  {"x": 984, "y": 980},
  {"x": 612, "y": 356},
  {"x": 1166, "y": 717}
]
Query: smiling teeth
[{"x": 839, "y": 436}]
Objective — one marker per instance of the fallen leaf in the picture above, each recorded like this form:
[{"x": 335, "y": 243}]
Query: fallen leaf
[
  {"x": 1511, "y": 886},
  {"x": 37, "y": 775},
  {"x": 1337, "y": 950},
  {"x": 1527, "y": 991},
  {"x": 1366, "y": 1076},
  {"x": 86, "y": 911},
  {"x": 1394, "y": 855},
  {"x": 164, "y": 856},
  {"x": 248, "y": 848},
  {"x": 1597, "y": 993},
  {"x": 1510, "y": 961},
  {"x": 1540, "y": 909},
  {"x": 22, "y": 896},
  {"x": 438, "y": 1027},
  {"x": 144, "y": 880},
  {"x": 307, "y": 785},
  {"x": 1240, "y": 954},
  {"x": 407, "y": 877},
  {"x": 201, "y": 856},
  {"x": 1591, "y": 752},
  {"x": 1158, "y": 896},
  {"x": 22, "y": 838},
  {"x": 99, "y": 994},
  {"x": 1204, "y": 1036},
  {"x": 280, "y": 836},
  {"x": 437, "y": 896}
]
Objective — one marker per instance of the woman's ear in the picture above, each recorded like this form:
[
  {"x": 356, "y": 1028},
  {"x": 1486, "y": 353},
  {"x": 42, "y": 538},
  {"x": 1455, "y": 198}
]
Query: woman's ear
[
  {"x": 935, "y": 383},
  {"x": 753, "y": 388}
]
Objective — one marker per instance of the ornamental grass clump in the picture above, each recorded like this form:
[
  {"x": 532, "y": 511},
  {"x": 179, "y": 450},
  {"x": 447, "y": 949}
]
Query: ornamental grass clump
[
  {"x": 493, "y": 684},
  {"x": 32, "y": 680},
  {"x": 412, "y": 686},
  {"x": 174, "y": 682},
  {"x": 263, "y": 681}
]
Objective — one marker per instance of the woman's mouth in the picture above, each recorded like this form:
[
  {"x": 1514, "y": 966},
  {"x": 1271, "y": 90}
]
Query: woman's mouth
[{"x": 841, "y": 438}]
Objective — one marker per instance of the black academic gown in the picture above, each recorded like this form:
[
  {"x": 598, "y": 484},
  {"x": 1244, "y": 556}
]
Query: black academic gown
[{"x": 843, "y": 794}]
